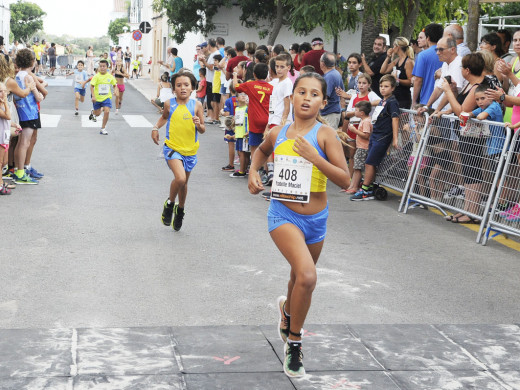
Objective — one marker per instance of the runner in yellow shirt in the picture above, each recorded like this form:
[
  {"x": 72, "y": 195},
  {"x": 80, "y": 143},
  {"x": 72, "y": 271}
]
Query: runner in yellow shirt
[
  {"x": 101, "y": 91},
  {"x": 37, "y": 48}
]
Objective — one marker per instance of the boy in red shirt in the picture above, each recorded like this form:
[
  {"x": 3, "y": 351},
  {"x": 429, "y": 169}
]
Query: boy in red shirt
[{"x": 259, "y": 92}]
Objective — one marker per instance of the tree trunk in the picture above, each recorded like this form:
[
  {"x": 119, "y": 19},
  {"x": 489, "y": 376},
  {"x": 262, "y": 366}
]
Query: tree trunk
[
  {"x": 410, "y": 19},
  {"x": 277, "y": 25},
  {"x": 472, "y": 26},
  {"x": 371, "y": 29}
]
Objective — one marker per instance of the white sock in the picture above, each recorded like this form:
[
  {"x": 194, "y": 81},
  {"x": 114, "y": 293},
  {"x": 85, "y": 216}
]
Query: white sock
[
  {"x": 294, "y": 341},
  {"x": 27, "y": 166},
  {"x": 270, "y": 166},
  {"x": 169, "y": 203}
]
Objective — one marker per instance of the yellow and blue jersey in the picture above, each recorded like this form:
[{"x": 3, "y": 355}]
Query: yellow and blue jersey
[
  {"x": 284, "y": 146},
  {"x": 181, "y": 133}
]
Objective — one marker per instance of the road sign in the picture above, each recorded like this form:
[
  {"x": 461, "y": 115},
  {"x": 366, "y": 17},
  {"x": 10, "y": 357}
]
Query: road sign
[
  {"x": 137, "y": 35},
  {"x": 145, "y": 27}
]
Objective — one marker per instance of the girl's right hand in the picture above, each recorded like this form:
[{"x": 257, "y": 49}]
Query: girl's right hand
[{"x": 255, "y": 182}]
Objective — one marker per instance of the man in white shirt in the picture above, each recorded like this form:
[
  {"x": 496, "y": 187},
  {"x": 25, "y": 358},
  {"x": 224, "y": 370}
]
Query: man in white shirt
[{"x": 452, "y": 67}]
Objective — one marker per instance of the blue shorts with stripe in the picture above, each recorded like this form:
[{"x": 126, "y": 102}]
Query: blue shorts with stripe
[
  {"x": 313, "y": 227},
  {"x": 188, "y": 162}
]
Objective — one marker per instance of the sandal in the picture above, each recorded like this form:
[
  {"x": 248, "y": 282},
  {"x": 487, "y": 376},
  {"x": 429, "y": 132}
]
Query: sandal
[
  {"x": 450, "y": 218},
  {"x": 471, "y": 220}
]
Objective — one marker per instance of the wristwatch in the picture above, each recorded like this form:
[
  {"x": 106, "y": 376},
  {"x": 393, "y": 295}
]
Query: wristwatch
[{"x": 502, "y": 98}]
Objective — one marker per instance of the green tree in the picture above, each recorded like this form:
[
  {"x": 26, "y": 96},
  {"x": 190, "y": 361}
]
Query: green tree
[
  {"x": 116, "y": 27},
  {"x": 26, "y": 19}
]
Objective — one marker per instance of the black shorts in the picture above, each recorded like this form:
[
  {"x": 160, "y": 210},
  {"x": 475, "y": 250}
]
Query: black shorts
[
  {"x": 127, "y": 59},
  {"x": 38, "y": 61},
  {"x": 209, "y": 94},
  {"x": 216, "y": 97},
  {"x": 52, "y": 62},
  {"x": 32, "y": 124}
]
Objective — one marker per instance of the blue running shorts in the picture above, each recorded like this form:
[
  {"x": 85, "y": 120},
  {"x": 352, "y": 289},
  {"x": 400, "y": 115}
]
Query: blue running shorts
[
  {"x": 81, "y": 91},
  {"x": 255, "y": 139},
  {"x": 313, "y": 227},
  {"x": 188, "y": 162},
  {"x": 104, "y": 103}
]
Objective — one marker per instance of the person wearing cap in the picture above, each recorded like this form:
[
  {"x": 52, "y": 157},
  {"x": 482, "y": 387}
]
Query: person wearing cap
[{"x": 313, "y": 57}]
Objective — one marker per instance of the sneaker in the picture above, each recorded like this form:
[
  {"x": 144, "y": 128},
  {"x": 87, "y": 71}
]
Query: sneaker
[
  {"x": 269, "y": 179},
  {"x": 167, "y": 213},
  {"x": 228, "y": 168},
  {"x": 455, "y": 192},
  {"x": 513, "y": 211},
  {"x": 293, "y": 361},
  {"x": 283, "y": 320},
  {"x": 117, "y": 111},
  {"x": 4, "y": 190},
  {"x": 103, "y": 132},
  {"x": 25, "y": 179},
  {"x": 237, "y": 174},
  {"x": 514, "y": 215},
  {"x": 266, "y": 195},
  {"x": 177, "y": 219},
  {"x": 33, "y": 173},
  {"x": 363, "y": 195},
  {"x": 76, "y": 113},
  {"x": 92, "y": 117}
]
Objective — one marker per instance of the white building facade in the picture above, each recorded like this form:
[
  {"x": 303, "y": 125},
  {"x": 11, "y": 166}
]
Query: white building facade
[{"x": 5, "y": 20}]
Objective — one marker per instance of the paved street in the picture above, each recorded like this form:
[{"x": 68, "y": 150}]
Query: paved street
[{"x": 95, "y": 293}]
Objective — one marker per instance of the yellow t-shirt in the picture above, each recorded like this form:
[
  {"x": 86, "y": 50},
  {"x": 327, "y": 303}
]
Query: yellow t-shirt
[
  {"x": 135, "y": 64},
  {"x": 101, "y": 84},
  {"x": 216, "y": 82},
  {"x": 37, "y": 51}
]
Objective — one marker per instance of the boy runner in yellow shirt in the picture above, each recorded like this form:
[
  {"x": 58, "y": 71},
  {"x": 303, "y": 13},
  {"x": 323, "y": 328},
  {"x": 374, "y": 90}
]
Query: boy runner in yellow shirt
[{"x": 101, "y": 91}]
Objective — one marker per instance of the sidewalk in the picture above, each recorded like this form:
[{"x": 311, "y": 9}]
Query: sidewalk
[
  {"x": 145, "y": 86},
  {"x": 385, "y": 357}
]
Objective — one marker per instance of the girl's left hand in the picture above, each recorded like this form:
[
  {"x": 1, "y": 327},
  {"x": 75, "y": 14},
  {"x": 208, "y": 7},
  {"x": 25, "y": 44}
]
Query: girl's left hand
[{"x": 304, "y": 148}]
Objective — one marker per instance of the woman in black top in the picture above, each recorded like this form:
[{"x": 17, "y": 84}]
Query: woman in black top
[{"x": 399, "y": 62}]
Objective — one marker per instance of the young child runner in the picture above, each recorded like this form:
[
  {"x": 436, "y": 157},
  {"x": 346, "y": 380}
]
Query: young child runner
[
  {"x": 101, "y": 91},
  {"x": 201, "y": 90},
  {"x": 297, "y": 222},
  {"x": 384, "y": 134},
  {"x": 80, "y": 79},
  {"x": 119, "y": 73},
  {"x": 227, "y": 111},
  {"x": 259, "y": 92},
  {"x": 242, "y": 135},
  {"x": 184, "y": 119},
  {"x": 135, "y": 67},
  {"x": 164, "y": 92},
  {"x": 364, "y": 93},
  {"x": 5, "y": 135},
  {"x": 363, "y": 131}
]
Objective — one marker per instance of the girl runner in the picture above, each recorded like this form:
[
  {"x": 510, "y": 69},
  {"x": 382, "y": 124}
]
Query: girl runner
[{"x": 298, "y": 210}]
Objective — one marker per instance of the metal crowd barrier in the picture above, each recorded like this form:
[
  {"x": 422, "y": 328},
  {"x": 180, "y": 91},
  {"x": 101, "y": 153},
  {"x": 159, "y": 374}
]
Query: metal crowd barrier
[
  {"x": 505, "y": 212},
  {"x": 396, "y": 169},
  {"x": 458, "y": 169}
]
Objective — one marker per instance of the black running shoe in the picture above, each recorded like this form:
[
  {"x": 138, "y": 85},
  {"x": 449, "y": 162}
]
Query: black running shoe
[
  {"x": 177, "y": 219},
  {"x": 167, "y": 213},
  {"x": 293, "y": 362}
]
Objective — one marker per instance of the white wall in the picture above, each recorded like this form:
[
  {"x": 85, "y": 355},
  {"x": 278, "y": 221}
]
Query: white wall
[
  {"x": 228, "y": 21},
  {"x": 5, "y": 20}
]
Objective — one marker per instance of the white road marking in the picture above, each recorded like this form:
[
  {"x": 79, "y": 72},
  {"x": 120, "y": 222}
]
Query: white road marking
[
  {"x": 59, "y": 82},
  {"x": 137, "y": 121},
  {"x": 50, "y": 120}
]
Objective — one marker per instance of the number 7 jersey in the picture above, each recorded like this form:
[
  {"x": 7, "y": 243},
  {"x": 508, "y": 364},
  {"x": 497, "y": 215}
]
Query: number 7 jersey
[
  {"x": 259, "y": 93},
  {"x": 284, "y": 147}
]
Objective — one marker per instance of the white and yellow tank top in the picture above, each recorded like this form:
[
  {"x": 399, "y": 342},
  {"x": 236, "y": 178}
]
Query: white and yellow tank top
[{"x": 181, "y": 133}]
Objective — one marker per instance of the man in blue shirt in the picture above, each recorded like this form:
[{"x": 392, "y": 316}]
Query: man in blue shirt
[
  {"x": 332, "y": 111},
  {"x": 426, "y": 63}
]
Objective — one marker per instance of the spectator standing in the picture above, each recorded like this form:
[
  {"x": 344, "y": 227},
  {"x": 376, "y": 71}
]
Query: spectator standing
[
  {"x": 52, "y": 58},
  {"x": 456, "y": 32},
  {"x": 373, "y": 68},
  {"x": 505, "y": 37},
  {"x": 401, "y": 67},
  {"x": 240, "y": 46},
  {"x": 426, "y": 64},
  {"x": 452, "y": 67},
  {"x": 177, "y": 62},
  {"x": 304, "y": 48},
  {"x": 196, "y": 64},
  {"x": 332, "y": 111},
  {"x": 221, "y": 45},
  {"x": 90, "y": 60},
  {"x": 313, "y": 57},
  {"x": 208, "y": 63}
]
